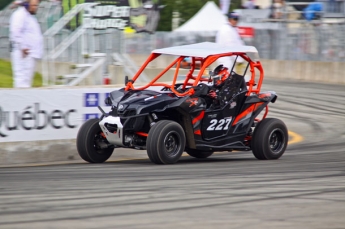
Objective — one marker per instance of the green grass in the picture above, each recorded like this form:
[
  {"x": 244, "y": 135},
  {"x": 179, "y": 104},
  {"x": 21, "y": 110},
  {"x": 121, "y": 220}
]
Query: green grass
[{"x": 6, "y": 78}]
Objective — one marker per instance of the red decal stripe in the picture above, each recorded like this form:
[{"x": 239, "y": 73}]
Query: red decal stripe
[
  {"x": 198, "y": 132},
  {"x": 199, "y": 117},
  {"x": 250, "y": 109}
]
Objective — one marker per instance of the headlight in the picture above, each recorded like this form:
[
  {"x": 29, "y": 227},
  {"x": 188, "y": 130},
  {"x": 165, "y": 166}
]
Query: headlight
[{"x": 122, "y": 107}]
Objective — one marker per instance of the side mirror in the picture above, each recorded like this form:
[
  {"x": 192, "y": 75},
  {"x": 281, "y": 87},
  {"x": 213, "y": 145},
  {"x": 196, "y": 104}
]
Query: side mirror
[{"x": 126, "y": 80}]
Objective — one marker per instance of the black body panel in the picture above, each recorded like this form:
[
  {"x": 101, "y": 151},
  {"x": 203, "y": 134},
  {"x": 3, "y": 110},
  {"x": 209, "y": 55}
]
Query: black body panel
[{"x": 211, "y": 127}]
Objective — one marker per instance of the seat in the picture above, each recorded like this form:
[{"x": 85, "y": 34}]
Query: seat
[{"x": 233, "y": 89}]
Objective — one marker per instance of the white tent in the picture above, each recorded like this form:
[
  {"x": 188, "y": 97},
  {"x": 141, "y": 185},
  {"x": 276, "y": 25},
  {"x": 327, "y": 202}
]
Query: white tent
[{"x": 209, "y": 19}]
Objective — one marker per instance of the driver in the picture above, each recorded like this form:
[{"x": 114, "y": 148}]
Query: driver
[
  {"x": 211, "y": 92},
  {"x": 219, "y": 75}
]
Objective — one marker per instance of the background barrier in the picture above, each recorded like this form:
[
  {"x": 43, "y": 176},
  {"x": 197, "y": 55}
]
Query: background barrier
[
  {"x": 314, "y": 71},
  {"x": 42, "y": 124},
  {"x": 289, "y": 40}
]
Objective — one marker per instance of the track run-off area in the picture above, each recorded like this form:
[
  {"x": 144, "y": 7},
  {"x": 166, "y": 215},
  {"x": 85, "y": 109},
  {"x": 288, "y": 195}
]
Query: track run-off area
[{"x": 305, "y": 188}]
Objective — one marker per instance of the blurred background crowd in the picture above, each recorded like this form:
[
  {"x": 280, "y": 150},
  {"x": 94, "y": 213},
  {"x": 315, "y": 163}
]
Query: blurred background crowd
[{"x": 281, "y": 30}]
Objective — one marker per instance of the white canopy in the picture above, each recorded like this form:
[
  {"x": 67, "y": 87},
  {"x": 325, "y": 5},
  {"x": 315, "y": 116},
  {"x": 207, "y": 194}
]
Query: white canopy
[
  {"x": 205, "y": 49},
  {"x": 208, "y": 19}
]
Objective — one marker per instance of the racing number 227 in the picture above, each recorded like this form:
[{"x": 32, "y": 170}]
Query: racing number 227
[{"x": 219, "y": 124}]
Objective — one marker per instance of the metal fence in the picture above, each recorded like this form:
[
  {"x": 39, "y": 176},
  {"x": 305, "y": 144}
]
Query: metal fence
[
  {"x": 307, "y": 41},
  {"x": 333, "y": 6},
  {"x": 314, "y": 42}
]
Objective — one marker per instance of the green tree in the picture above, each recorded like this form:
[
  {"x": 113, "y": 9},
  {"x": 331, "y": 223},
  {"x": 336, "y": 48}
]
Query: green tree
[
  {"x": 4, "y": 3},
  {"x": 235, "y": 4},
  {"x": 67, "y": 5},
  {"x": 186, "y": 9},
  {"x": 165, "y": 21}
]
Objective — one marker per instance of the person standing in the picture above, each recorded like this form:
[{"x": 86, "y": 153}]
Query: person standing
[
  {"x": 26, "y": 41},
  {"x": 229, "y": 36},
  {"x": 277, "y": 9}
]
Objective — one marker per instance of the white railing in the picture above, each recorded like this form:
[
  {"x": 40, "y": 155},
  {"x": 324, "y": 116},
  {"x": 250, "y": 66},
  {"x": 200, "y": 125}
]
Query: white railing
[
  {"x": 58, "y": 40},
  {"x": 96, "y": 69}
]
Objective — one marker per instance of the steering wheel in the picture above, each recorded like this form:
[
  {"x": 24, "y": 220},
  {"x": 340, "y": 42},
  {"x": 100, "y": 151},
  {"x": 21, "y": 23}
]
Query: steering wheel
[{"x": 201, "y": 89}]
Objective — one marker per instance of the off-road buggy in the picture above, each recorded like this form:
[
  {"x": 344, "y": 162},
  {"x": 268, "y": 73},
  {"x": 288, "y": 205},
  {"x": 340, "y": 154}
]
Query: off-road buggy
[{"x": 203, "y": 114}]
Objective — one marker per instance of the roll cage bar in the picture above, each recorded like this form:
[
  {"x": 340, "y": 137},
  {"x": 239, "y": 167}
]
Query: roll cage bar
[{"x": 253, "y": 87}]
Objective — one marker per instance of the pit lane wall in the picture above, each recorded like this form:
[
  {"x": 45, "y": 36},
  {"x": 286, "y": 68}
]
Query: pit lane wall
[
  {"x": 310, "y": 71},
  {"x": 40, "y": 125},
  {"x": 313, "y": 71}
]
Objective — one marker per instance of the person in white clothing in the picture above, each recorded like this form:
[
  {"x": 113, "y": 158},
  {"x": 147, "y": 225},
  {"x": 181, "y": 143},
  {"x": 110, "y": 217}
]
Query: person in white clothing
[
  {"x": 228, "y": 36},
  {"x": 26, "y": 43}
]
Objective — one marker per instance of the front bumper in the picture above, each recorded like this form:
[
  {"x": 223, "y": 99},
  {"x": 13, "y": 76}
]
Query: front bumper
[{"x": 113, "y": 130}]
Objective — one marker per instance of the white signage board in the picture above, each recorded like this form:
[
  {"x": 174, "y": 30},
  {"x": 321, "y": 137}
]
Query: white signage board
[{"x": 47, "y": 114}]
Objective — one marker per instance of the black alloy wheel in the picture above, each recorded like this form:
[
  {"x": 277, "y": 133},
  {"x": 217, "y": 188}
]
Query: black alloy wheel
[
  {"x": 276, "y": 139},
  {"x": 270, "y": 139},
  {"x": 89, "y": 141},
  {"x": 165, "y": 142}
]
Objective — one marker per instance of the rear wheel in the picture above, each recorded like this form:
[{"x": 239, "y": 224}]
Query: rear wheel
[
  {"x": 270, "y": 139},
  {"x": 165, "y": 142},
  {"x": 89, "y": 139},
  {"x": 199, "y": 153}
]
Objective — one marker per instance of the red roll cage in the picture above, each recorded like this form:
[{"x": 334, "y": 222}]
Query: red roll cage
[{"x": 253, "y": 87}]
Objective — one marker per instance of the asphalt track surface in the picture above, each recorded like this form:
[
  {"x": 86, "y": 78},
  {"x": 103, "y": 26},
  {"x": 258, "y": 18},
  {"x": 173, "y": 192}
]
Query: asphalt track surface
[{"x": 303, "y": 189}]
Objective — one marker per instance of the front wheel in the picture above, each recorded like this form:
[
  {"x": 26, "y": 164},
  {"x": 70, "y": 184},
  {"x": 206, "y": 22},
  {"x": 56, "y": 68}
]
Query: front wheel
[
  {"x": 165, "y": 142},
  {"x": 199, "y": 153},
  {"x": 89, "y": 141},
  {"x": 270, "y": 139}
]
